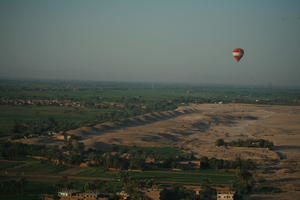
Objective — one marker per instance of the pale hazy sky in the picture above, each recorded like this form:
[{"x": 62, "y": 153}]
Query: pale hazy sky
[{"x": 151, "y": 40}]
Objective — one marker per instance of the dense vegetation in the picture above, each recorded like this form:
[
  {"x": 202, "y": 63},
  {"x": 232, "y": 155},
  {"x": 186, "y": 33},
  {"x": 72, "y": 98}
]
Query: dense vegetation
[
  {"x": 261, "y": 143},
  {"x": 176, "y": 193},
  {"x": 73, "y": 153},
  {"x": 125, "y": 158},
  {"x": 238, "y": 163},
  {"x": 31, "y": 190},
  {"x": 92, "y": 92},
  {"x": 13, "y": 186},
  {"x": 17, "y": 151}
]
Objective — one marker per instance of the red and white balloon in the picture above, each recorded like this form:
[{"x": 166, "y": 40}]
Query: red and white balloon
[{"x": 238, "y": 53}]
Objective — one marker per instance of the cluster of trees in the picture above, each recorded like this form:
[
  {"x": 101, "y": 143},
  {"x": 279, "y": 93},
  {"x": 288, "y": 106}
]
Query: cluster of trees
[
  {"x": 13, "y": 186},
  {"x": 108, "y": 160},
  {"x": 30, "y": 128},
  {"x": 137, "y": 161},
  {"x": 123, "y": 158},
  {"x": 71, "y": 153},
  {"x": 246, "y": 143},
  {"x": 238, "y": 163},
  {"x": 244, "y": 185},
  {"x": 177, "y": 193},
  {"x": 132, "y": 186},
  {"x": 13, "y": 151},
  {"x": 105, "y": 187}
]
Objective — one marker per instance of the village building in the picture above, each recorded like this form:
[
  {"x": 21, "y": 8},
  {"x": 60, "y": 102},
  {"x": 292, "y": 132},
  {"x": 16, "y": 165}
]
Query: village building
[
  {"x": 123, "y": 195},
  {"x": 150, "y": 160},
  {"x": 152, "y": 193},
  {"x": 76, "y": 195},
  {"x": 225, "y": 195}
]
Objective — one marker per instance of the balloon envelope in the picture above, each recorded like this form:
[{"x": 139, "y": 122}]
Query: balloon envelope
[{"x": 238, "y": 53}]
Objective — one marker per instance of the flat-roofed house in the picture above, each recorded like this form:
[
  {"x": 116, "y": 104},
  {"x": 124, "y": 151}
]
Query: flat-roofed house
[{"x": 225, "y": 195}]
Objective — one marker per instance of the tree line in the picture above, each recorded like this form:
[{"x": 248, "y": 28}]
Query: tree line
[
  {"x": 238, "y": 163},
  {"x": 13, "y": 186},
  {"x": 74, "y": 153},
  {"x": 261, "y": 143}
]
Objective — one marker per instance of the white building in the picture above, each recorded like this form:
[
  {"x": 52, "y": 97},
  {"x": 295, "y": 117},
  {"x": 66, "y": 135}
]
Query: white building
[{"x": 225, "y": 195}]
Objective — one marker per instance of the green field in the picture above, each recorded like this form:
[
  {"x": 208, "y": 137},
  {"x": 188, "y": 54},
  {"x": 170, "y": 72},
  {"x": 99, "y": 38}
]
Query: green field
[
  {"x": 217, "y": 177},
  {"x": 94, "y": 172},
  {"x": 80, "y": 116},
  {"x": 92, "y": 91},
  {"x": 188, "y": 176},
  {"x": 37, "y": 167},
  {"x": 9, "y": 164},
  {"x": 93, "y": 95},
  {"x": 32, "y": 191},
  {"x": 185, "y": 177},
  {"x": 31, "y": 167},
  {"x": 162, "y": 92}
]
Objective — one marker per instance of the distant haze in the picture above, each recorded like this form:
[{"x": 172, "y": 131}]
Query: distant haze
[{"x": 152, "y": 40}]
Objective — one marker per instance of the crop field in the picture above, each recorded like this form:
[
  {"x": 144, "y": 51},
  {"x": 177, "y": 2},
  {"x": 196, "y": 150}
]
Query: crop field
[
  {"x": 96, "y": 172},
  {"x": 32, "y": 191},
  {"x": 11, "y": 164},
  {"x": 207, "y": 94},
  {"x": 216, "y": 177},
  {"x": 38, "y": 167},
  {"x": 92, "y": 95},
  {"x": 109, "y": 91},
  {"x": 9, "y": 114},
  {"x": 185, "y": 177},
  {"x": 32, "y": 168}
]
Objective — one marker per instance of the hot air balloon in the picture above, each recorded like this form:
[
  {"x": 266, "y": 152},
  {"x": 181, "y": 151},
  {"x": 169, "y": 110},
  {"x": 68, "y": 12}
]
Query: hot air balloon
[{"x": 238, "y": 54}]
